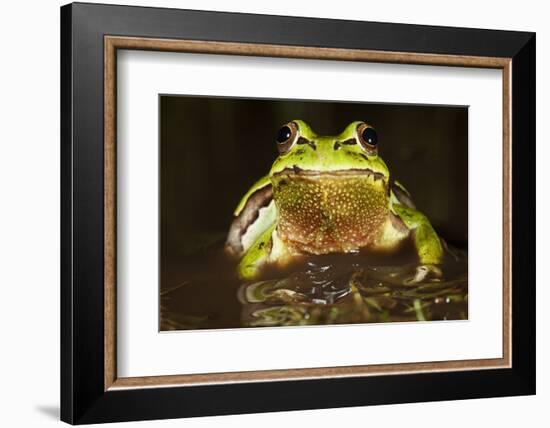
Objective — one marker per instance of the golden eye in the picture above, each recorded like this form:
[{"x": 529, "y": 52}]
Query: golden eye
[
  {"x": 368, "y": 137},
  {"x": 286, "y": 137}
]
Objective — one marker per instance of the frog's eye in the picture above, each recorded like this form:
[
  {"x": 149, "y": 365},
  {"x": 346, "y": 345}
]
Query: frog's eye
[
  {"x": 286, "y": 137},
  {"x": 368, "y": 137}
]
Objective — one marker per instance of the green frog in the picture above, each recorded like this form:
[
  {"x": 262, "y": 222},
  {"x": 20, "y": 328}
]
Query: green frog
[{"x": 327, "y": 194}]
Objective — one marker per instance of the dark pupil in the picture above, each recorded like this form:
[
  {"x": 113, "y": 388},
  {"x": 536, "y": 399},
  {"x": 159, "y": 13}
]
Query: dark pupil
[
  {"x": 283, "y": 134},
  {"x": 369, "y": 135}
]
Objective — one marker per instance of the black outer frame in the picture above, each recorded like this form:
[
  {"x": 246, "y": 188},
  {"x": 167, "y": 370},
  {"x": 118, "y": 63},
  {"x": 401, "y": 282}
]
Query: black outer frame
[{"x": 83, "y": 399}]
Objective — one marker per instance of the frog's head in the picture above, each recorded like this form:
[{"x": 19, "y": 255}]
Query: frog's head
[
  {"x": 331, "y": 192},
  {"x": 354, "y": 151}
]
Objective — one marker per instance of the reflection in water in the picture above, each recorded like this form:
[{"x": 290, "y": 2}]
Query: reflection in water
[{"x": 331, "y": 289}]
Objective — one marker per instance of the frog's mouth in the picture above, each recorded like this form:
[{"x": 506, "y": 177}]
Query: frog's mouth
[{"x": 354, "y": 172}]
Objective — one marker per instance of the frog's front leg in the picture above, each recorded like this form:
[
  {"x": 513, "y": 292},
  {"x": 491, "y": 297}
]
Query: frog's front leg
[
  {"x": 267, "y": 249},
  {"x": 256, "y": 255},
  {"x": 427, "y": 243}
]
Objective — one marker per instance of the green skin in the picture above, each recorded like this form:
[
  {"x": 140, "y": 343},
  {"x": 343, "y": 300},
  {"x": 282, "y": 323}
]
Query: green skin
[{"x": 327, "y": 194}]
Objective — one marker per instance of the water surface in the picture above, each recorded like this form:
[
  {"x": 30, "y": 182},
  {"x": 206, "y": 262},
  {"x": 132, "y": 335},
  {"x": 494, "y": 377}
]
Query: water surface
[{"x": 204, "y": 293}]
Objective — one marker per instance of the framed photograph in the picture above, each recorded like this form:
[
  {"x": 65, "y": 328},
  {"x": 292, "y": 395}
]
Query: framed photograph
[{"x": 265, "y": 213}]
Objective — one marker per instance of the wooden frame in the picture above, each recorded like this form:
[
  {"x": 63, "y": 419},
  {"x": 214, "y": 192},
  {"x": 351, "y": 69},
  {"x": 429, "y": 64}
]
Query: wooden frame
[
  {"x": 513, "y": 53},
  {"x": 112, "y": 43}
]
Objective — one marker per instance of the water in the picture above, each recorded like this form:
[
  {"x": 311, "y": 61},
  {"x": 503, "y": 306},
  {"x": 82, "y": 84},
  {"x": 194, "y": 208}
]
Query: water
[{"x": 204, "y": 292}]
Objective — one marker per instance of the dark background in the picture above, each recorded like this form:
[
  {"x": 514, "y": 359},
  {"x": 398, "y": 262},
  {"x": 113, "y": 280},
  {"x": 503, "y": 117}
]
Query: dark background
[{"x": 213, "y": 149}]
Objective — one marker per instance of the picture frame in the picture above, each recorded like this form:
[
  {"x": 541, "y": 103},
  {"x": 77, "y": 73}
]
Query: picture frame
[{"x": 91, "y": 390}]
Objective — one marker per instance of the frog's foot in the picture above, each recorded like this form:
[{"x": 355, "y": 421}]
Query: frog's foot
[{"x": 427, "y": 272}]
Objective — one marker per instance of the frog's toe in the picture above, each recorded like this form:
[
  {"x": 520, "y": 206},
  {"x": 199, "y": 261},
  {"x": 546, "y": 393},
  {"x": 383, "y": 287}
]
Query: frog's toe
[{"x": 426, "y": 272}]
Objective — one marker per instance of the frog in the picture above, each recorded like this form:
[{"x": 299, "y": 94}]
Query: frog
[{"x": 327, "y": 194}]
